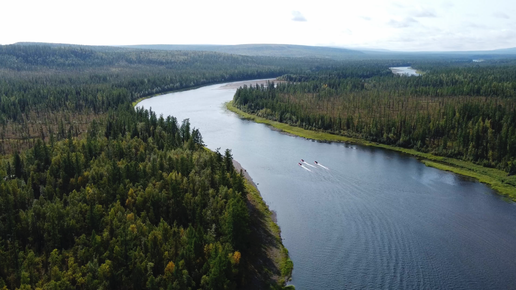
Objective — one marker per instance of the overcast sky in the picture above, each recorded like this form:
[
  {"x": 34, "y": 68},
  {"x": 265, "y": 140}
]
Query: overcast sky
[{"x": 395, "y": 25}]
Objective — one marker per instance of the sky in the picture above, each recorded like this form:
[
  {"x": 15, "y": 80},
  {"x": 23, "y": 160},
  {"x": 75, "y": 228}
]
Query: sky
[{"x": 401, "y": 25}]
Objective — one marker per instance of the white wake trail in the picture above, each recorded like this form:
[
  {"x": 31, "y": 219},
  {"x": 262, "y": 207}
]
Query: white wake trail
[
  {"x": 323, "y": 166},
  {"x": 306, "y": 168},
  {"x": 308, "y": 164}
]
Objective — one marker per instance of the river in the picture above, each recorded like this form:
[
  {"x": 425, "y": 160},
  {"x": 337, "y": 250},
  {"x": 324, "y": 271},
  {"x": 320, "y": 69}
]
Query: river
[
  {"x": 404, "y": 71},
  {"x": 375, "y": 219}
]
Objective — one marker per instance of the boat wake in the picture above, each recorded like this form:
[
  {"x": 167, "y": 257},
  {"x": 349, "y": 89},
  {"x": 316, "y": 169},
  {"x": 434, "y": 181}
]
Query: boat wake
[
  {"x": 306, "y": 168},
  {"x": 301, "y": 164},
  {"x": 308, "y": 164},
  {"x": 323, "y": 166}
]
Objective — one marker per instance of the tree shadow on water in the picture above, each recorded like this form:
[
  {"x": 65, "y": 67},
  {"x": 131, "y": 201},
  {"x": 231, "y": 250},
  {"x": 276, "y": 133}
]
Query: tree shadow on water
[{"x": 261, "y": 269}]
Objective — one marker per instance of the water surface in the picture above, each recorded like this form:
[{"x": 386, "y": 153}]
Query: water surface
[
  {"x": 375, "y": 219},
  {"x": 404, "y": 70}
]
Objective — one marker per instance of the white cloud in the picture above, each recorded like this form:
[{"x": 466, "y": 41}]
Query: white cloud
[
  {"x": 407, "y": 22},
  {"x": 297, "y": 16},
  {"x": 424, "y": 12},
  {"x": 499, "y": 14},
  {"x": 447, "y": 4}
]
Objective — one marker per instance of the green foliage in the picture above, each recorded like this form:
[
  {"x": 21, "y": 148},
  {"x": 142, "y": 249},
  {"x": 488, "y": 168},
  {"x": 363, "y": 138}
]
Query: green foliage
[
  {"x": 54, "y": 91},
  {"x": 236, "y": 223},
  {"x": 41, "y": 78},
  {"x": 137, "y": 204},
  {"x": 288, "y": 265}
]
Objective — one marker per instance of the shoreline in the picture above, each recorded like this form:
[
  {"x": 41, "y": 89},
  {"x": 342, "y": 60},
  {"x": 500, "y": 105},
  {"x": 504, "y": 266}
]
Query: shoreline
[
  {"x": 494, "y": 178},
  {"x": 229, "y": 85},
  {"x": 269, "y": 267},
  {"x": 405, "y": 71},
  {"x": 268, "y": 233}
]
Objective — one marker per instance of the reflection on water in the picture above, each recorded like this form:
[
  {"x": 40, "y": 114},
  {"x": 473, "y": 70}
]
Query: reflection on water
[
  {"x": 404, "y": 70},
  {"x": 375, "y": 219}
]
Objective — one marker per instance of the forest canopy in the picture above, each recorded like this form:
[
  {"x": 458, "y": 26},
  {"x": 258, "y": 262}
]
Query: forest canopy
[
  {"x": 97, "y": 194},
  {"x": 137, "y": 204},
  {"x": 46, "y": 91}
]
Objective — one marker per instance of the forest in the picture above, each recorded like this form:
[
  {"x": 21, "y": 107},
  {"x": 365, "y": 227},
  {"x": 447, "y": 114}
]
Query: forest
[
  {"x": 95, "y": 194},
  {"x": 46, "y": 91},
  {"x": 138, "y": 203},
  {"x": 461, "y": 110}
]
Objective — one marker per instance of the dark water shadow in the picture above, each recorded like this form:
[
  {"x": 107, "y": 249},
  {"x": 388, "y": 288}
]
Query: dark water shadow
[{"x": 260, "y": 270}]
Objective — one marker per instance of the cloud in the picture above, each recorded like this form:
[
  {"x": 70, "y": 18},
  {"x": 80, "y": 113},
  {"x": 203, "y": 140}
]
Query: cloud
[
  {"x": 366, "y": 18},
  {"x": 407, "y": 22},
  {"x": 398, "y": 5},
  {"x": 501, "y": 15},
  {"x": 347, "y": 31},
  {"x": 447, "y": 4},
  {"x": 423, "y": 12},
  {"x": 422, "y": 38},
  {"x": 475, "y": 25},
  {"x": 297, "y": 16}
]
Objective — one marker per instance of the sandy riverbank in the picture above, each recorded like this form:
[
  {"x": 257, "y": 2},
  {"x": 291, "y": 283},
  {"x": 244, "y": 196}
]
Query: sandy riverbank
[{"x": 239, "y": 167}]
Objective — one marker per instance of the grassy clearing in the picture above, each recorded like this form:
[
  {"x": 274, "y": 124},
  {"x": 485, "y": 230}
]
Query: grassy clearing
[{"x": 496, "y": 179}]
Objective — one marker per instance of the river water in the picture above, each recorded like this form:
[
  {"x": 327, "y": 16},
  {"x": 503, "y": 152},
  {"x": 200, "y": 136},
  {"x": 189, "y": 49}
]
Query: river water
[
  {"x": 374, "y": 219},
  {"x": 404, "y": 71}
]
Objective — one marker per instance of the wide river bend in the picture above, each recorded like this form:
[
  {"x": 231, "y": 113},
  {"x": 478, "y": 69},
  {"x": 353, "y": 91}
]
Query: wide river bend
[{"x": 374, "y": 219}]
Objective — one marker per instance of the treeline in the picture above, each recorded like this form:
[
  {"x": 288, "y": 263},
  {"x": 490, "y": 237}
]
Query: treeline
[
  {"x": 463, "y": 111},
  {"x": 74, "y": 78},
  {"x": 139, "y": 203},
  {"x": 488, "y": 79},
  {"x": 40, "y": 82},
  {"x": 22, "y": 57}
]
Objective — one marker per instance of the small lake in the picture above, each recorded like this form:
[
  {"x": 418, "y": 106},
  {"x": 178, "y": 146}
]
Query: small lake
[
  {"x": 370, "y": 218},
  {"x": 404, "y": 70}
]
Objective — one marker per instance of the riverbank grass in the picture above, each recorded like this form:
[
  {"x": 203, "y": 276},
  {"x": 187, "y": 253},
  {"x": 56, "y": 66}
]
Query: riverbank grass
[
  {"x": 496, "y": 179},
  {"x": 138, "y": 101}
]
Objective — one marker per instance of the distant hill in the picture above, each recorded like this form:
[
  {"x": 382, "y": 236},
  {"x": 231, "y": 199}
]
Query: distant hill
[
  {"x": 276, "y": 50},
  {"x": 296, "y": 51},
  {"x": 504, "y": 51},
  {"x": 67, "y": 45}
]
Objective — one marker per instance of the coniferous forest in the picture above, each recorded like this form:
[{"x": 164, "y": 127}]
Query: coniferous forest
[
  {"x": 95, "y": 194},
  {"x": 46, "y": 91},
  {"x": 138, "y": 203}
]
